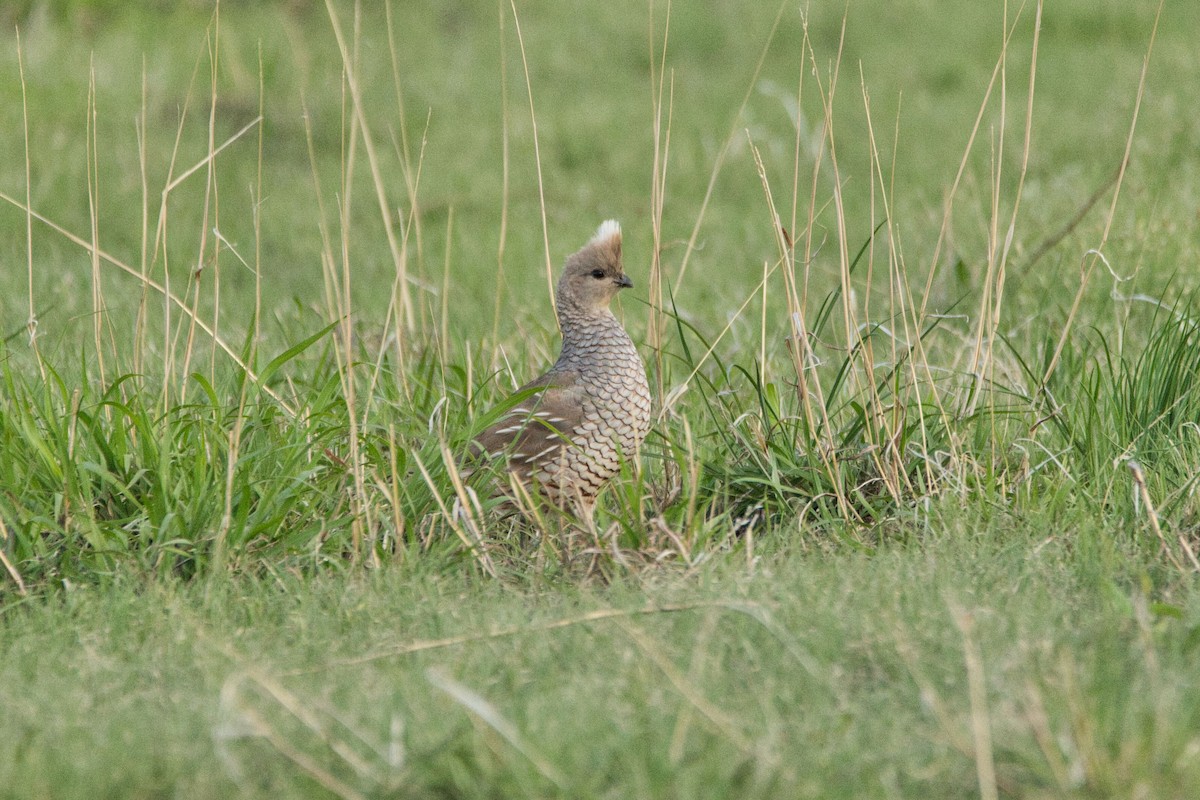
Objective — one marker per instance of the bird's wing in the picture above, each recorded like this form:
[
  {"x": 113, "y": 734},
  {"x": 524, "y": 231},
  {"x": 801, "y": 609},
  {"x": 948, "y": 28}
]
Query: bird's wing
[{"x": 540, "y": 425}]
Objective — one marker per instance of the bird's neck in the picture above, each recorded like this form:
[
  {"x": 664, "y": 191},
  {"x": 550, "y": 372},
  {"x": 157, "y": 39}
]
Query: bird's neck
[
  {"x": 583, "y": 327},
  {"x": 573, "y": 316}
]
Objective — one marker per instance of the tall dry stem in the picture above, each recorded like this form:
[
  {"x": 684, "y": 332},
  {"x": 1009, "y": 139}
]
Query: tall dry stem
[
  {"x": 537, "y": 160},
  {"x": 1094, "y": 255},
  {"x": 374, "y": 165},
  {"x": 32, "y": 322}
]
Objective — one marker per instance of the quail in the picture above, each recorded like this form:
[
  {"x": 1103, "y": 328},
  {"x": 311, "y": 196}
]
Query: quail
[{"x": 591, "y": 410}]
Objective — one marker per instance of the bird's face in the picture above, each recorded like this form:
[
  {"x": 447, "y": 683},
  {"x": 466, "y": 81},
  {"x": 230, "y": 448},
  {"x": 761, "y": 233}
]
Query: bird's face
[
  {"x": 594, "y": 275},
  {"x": 594, "y": 282}
]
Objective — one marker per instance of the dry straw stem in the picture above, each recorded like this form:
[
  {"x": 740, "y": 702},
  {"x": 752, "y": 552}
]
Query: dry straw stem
[
  {"x": 901, "y": 306},
  {"x": 900, "y": 293},
  {"x": 502, "y": 235},
  {"x": 5, "y": 536},
  {"x": 879, "y": 434},
  {"x": 338, "y": 278},
  {"x": 235, "y": 435},
  {"x": 444, "y": 327},
  {"x": 233, "y": 703},
  {"x": 411, "y": 230},
  {"x": 386, "y": 480},
  {"x": 327, "y": 257},
  {"x": 32, "y": 322},
  {"x": 809, "y": 392},
  {"x": 537, "y": 160},
  {"x": 239, "y": 719},
  {"x": 992, "y": 299},
  {"x": 681, "y": 388},
  {"x": 981, "y": 725},
  {"x": 257, "y": 210},
  {"x": 399, "y": 254},
  {"x": 721, "y": 723},
  {"x": 753, "y": 610},
  {"x": 469, "y": 535},
  {"x": 805, "y": 389},
  {"x": 412, "y": 179},
  {"x": 479, "y": 707},
  {"x": 1047, "y": 740},
  {"x": 735, "y": 127},
  {"x": 1090, "y": 267},
  {"x": 1143, "y": 492},
  {"x": 99, "y": 311},
  {"x": 139, "y": 336},
  {"x": 170, "y": 347},
  {"x": 658, "y": 187},
  {"x": 696, "y": 670},
  {"x": 211, "y": 204},
  {"x": 330, "y": 728},
  {"x": 807, "y": 52},
  {"x": 849, "y": 320}
]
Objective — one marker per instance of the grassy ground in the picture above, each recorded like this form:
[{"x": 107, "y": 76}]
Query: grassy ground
[
  {"x": 916, "y": 518},
  {"x": 813, "y": 675}
]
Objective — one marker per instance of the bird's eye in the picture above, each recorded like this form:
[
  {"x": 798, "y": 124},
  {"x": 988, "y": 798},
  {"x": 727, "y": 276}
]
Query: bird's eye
[{"x": 597, "y": 274}]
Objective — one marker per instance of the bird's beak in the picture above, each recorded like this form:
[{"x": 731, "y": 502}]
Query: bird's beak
[{"x": 624, "y": 282}]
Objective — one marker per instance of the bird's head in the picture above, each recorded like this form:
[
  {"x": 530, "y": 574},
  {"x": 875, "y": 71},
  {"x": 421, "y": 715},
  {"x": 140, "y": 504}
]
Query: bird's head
[{"x": 594, "y": 275}]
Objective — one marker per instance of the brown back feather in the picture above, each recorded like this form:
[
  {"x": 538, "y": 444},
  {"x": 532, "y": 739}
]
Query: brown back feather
[{"x": 539, "y": 425}]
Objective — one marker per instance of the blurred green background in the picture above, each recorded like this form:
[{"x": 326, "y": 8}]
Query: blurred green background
[{"x": 925, "y": 65}]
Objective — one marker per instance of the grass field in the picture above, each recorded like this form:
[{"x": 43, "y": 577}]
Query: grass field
[{"x": 916, "y": 284}]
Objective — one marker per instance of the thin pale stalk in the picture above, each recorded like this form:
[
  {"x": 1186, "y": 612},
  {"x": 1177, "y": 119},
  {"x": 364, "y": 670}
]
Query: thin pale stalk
[
  {"x": 826, "y": 453},
  {"x": 502, "y": 234},
  {"x": 32, "y": 322},
  {"x": 444, "y": 329},
  {"x": 209, "y": 211},
  {"x": 658, "y": 184},
  {"x": 139, "y": 349},
  {"x": 399, "y": 259},
  {"x": 1112, "y": 208},
  {"x": 99, "y": 312},
  {"x": 537, "y": 158},
  {"x": 948, "y": 204},
  {"x": 735, "y": 130}
]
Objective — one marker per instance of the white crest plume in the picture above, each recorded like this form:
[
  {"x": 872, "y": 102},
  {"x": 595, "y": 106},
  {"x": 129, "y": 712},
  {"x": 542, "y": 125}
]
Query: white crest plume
[{"x": 607, "y": 230}]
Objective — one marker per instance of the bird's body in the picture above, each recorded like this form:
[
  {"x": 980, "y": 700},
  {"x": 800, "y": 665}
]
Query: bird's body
[{"x": 591, "y": 410}]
